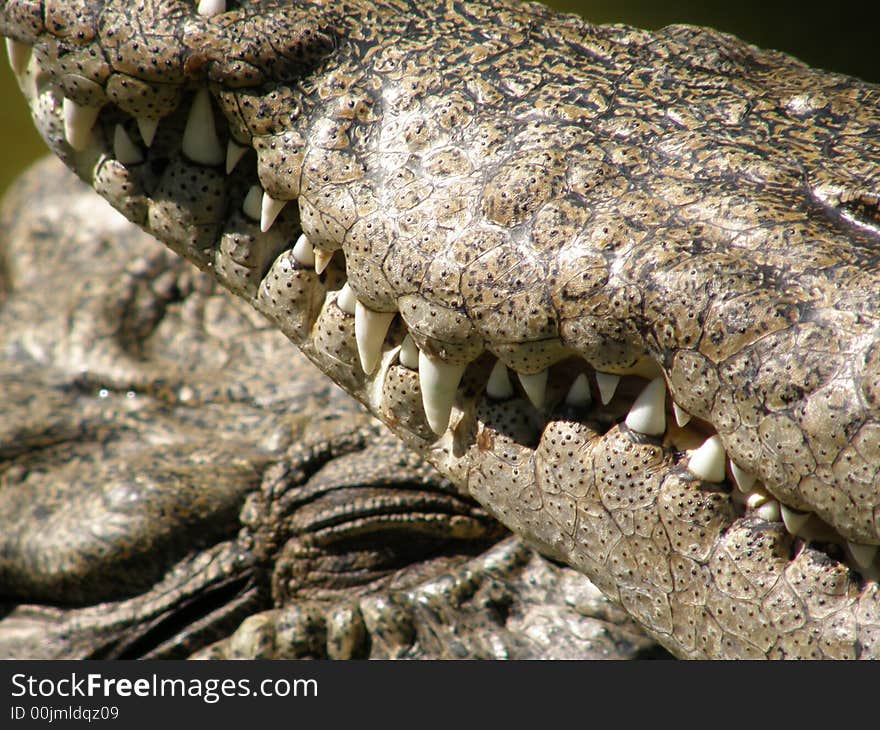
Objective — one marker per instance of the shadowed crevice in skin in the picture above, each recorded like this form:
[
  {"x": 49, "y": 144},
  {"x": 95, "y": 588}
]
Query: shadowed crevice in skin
[{"x": 509, "y": 185}]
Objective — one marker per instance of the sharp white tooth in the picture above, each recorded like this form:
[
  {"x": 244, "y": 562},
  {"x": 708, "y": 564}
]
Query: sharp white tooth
[
  {"x": 439, "y": 382},
  {"x": 147, "y": 127},
  {"x": 234, "y": 153},
  {"x": 744, "y": 480},
  {"x": 535, "y": 386},
  {"x": 708, "y": 461},
  {"x": 579, "y": 393},
  {"x": 303, "y": 251},
  {"x": 682, "y": 417},
  {"x": 499, "y": 386},
  {"x": 370, "y": 329},
  {"x": 269, "y": 210},
  {"x": 200, "y": 141},
  {"x": 756, "y": 499},
  {"x": 211, "y": 7},
  {"x": 78, "y": 123},
  {"x": 322, "y": 259},
  {"x": 794, "y": 520},
  {"x": 19, "y": 54},
  {"x": 648, "y": 413},
  {"x": 125, "y": 151},
  {"x": 346, "y": 299},
  {"x": 252, "y": 206},
  {"x": 769, "y": 511},
  {"x": 409, "y": 353},
  {"x": 863, "y": 554},
  {"x": 607, "y": 385}
]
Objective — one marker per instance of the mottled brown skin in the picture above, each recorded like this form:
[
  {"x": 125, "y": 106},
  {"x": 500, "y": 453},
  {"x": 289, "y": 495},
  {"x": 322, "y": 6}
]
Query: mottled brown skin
[
  {"x": 162, "y": 494},
  {"x": 523, "y": 185}
]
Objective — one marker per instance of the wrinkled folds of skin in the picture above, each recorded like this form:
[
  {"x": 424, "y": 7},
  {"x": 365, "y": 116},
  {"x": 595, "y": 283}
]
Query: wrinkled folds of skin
[{"x": 518, "y": 186}]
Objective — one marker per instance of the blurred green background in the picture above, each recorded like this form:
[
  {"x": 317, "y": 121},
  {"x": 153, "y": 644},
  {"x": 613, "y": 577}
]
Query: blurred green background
[{"x": 841, "y": 39}]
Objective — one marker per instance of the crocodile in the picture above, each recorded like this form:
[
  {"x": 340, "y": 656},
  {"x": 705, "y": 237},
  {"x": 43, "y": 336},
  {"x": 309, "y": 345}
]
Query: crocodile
[
  {"x": 162, "y": 496},
  {"x": 616, "y": 285}
]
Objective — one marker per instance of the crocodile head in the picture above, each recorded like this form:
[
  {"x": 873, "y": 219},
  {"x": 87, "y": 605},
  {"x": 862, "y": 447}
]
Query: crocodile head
[{"x": 616, "y": 285}]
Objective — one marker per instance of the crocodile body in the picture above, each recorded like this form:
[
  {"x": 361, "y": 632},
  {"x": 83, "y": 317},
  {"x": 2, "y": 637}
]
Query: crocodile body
[{"x": 669, "y": 238}]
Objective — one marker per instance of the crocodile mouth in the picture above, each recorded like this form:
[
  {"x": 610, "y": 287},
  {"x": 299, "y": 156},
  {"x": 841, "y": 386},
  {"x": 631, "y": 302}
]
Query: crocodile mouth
[{"x": 719, "y": 539}]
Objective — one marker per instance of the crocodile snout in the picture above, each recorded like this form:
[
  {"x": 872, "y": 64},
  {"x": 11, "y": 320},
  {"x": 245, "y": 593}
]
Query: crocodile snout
[{"x": 619, "y": 286}]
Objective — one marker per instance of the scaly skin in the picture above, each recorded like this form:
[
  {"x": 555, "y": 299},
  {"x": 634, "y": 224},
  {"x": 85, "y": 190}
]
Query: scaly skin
[{"x": 525, "y": 187}]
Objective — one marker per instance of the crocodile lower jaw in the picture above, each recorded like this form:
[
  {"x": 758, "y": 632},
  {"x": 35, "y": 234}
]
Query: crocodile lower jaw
[{"x": 599, "y": 469}]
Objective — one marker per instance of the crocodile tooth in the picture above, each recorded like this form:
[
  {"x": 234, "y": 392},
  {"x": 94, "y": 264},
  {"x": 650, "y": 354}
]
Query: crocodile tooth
[
  {"x": 535, "y": 386},
  {"x": 769, "y": 511},
  {"x": 370, "y": 329},
  {"x": 252, "y": 206},
  {"x": 499, "y": 386},
  {"x": 708, "y": 461},
  {"x": 78, "y": 123},
  {"x": 682, "y": 417},
  {"x": 863, "y": 554},
  {"x": 19, "y": 54},
  {"x": 303, "y": 251},
  {"x": 346, "y": 299},
  {"x": 607, "y": 385},
  {"x": 269, "y": 210},
  {"x": 124, "y": 150},
  {"x": 322, "y": 259},
  {"x": 648, "y": 412},
  {"x": 794, "y": 520},
  {"x": 234, "y": 153},
  {"x": 756, "y": 499},
  {"x": 579, "y": 393},
  {"x": 744, "y": 480},
  {"x": 211, "y": 7},
  {"x": 409, "y": 353},
  {"x": 439, "y": 382},
  {"x": 200, "y": 141},
  {"x": 147, "y": 127}
]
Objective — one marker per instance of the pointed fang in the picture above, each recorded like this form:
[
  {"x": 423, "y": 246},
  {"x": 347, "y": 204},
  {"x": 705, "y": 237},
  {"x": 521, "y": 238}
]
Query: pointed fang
[
  {"x": 269, "y": 210},
  {"x": 303, "y": 251},
  {"x": 322, "y": 259},
  {"x": 579, "y": 393},
  {"x": 19, "y": 54},
  {"x": 234, "y": 153},
  {"x": 124, "y": 150},
  {"x": 439, "y": 382},
  {"x": 346, "y": 300},
  {"x": 535, "y": 386},
  {"x": 253, "y": 203},
  {"x": 744, "y": 480},
  {"x": 78, "y": 123},
  {"x": 200, "y": 141},
  {"x": 769, "y": 511},
  {"x": 147, "y": 127},
  {"x": 794, "y": 520},
  {"x": 409, "y": 353},
  {"x": 708, "y": 461},
  {"x": 648, "y": 413},
  {"x": 211, "y": 7},
  {"x": 607, "y": 386},
  {"x": 682, "y": 417},
  {"x": 499, "y": 386},
  {"x": 370, "y": 329}
]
